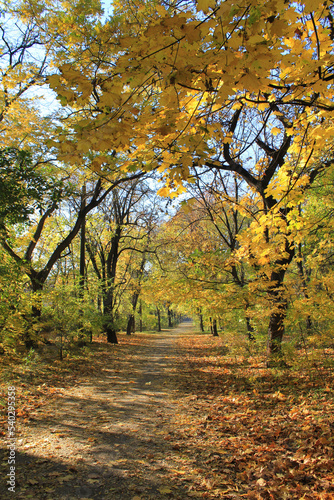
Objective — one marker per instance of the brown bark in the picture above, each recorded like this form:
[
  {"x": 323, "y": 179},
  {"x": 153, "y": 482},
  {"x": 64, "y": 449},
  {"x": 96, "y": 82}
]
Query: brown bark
[
  {"x": 82, "y": 267},
  {"x": 159, "y": 319},
  {"x": 279, "y": 307},
  {"x": 201, "y": 324},
  {"x": 214, "y": 328},
  {"x": 109, "y": 321},
  {"x": 170, "y": 318},
  {"x": 140, "y": 317},
  {"x": 131, "y": 326}
]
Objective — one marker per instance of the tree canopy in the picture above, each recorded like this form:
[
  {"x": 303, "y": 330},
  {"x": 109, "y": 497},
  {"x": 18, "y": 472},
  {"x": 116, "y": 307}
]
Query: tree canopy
[{"x": 227, "y": 105}]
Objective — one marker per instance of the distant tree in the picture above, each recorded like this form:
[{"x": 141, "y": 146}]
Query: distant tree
[{"x": 121, "y": 231}]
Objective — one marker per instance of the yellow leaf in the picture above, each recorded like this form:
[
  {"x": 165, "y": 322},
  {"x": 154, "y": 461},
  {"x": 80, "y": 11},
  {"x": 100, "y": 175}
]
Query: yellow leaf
[
  {"x": 205, "y": 5},
  {"x": 53, "y": 80},
  {"x": 164, "y": 192},
  {"x": 263, "y": 106},
  {"x": 249, "y": 81},
  {"x": 165, "y": 490},
  {"x": 276, "y": 131},
  {"x": 255, "y": 39}
]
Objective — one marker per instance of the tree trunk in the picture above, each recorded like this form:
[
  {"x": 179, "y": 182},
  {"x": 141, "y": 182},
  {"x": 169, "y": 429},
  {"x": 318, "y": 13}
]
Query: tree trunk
[
  {"x": 82, "y": 266},
  {"x": 214, "y": 328},
  {"x": 275, "y": 335},
  {"x": 279, "y": 305},
  {"x": 159, "y": 319},
  {"x": 170, "y": 318},
  {"x": 37, "y": 287},
  {"x": 109, "y": 324},
  {"x": 131, "y": 326},
  {"x": 36, "y": 312},
  {"x": 140, "y": 317},
  {"x": 111, "y": 335},
  {"x": 201, "y": 324}
]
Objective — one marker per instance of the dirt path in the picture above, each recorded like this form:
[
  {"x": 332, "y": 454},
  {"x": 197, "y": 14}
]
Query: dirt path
[
  {"x": 169, "y": 416},
  {"x": 110, "y": 437}
]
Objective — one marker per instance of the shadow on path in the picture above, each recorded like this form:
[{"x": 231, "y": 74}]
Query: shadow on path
[{"x": 108, "y": 438}]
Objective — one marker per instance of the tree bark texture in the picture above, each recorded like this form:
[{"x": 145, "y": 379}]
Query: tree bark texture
[{"x": 279, "y": 306}]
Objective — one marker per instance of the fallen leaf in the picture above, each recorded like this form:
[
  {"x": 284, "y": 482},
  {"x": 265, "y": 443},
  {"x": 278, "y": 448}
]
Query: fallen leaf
[{"x": 164, "y": 490}]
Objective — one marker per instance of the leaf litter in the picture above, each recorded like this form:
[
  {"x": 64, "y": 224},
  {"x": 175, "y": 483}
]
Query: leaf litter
[{"x": 191, "y": 423}]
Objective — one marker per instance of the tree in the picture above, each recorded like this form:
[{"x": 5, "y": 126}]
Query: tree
[
  {"x": 221, "y": 200},
  {"x": 39, "y": 276},
  {"x": 123, "y": 234},
  {"x": 224, "y": 89},
  {"x": 35, "y": 38},
  {"x": 310, "y": 281}
]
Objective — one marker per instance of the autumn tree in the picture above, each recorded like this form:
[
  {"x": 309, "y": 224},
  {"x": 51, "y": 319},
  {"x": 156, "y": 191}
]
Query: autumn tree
[
  {"x": 222, "y": 203},
  {"x": 34, "y": 39},
  {"x": 310, "y": 279},
  {"x": 228, "y": 78},
  {"x": 120, "y": 233},
  {"x": 139, "y": 262}
]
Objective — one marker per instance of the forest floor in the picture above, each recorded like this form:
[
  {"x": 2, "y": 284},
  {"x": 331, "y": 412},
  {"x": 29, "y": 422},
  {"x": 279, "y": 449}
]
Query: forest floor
[{"x": 169, "y": 416}]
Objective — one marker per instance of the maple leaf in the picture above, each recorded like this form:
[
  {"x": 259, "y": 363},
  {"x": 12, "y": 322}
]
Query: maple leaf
[{"x": 206, "y": 5}]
